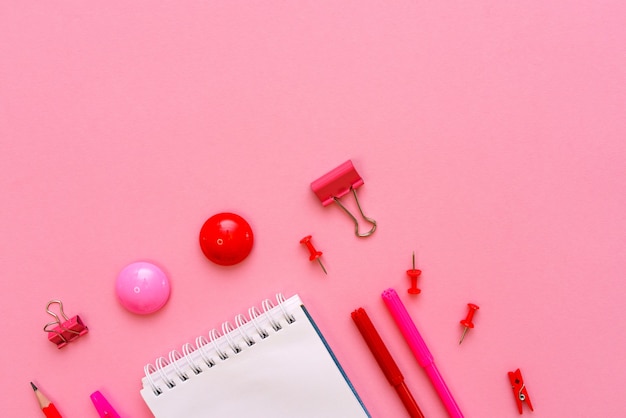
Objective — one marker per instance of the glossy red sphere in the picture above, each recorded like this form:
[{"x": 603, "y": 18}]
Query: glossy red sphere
[{"x": 226, "y": 239}]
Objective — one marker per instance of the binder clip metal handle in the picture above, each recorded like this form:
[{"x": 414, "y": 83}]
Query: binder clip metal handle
[
  {"x": 66, "y": 330},
  {"x": 337, "y": 183}
]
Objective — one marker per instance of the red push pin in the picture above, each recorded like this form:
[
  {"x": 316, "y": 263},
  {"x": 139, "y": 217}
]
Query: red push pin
[
  {"x": 314, "y": 254},
  {"x": 467, "y": 322},
  {"x": 414, "y": 274}
]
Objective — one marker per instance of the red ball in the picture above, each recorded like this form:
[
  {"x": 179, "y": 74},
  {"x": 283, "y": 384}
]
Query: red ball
[{"x": 226, "y": 239}]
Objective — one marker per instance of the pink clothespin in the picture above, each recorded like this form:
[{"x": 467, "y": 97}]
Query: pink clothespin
[
  {"x": 66, "y": 331},
  {"x": 337, "y": 183}
]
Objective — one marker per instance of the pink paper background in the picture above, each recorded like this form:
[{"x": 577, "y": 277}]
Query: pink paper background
[{"x": 490, "y": 135}]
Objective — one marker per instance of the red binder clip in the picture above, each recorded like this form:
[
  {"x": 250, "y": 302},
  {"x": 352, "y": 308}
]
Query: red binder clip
[
  {"x": 66, "y": 331},
  {"x": 519, "y": 390},
  {"x": 337, "y": 183}
]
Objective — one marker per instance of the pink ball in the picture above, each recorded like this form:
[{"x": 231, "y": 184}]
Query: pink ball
[{"x": 142, "y": 288}]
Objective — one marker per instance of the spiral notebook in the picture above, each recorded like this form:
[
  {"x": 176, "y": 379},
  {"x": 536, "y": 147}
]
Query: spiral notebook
[{"x": 274, "y": 362}]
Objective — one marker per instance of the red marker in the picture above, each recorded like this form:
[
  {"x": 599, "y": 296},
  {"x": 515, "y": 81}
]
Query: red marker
[
  {"x": 385, "y": 361},
  {"x": 49, "y": 410}
]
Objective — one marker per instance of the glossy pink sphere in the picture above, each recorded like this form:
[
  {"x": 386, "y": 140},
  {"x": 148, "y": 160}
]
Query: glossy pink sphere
[{"x": 142, "y": 288}]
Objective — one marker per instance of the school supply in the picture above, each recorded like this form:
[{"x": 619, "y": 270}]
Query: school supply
[
  {"x": 313, "y": 253},
  {"x": 47, "y": 407},
  {"x": 66, "y": 330},
  {"x": 413, "y": 274},
  {"x": 385, "y": 361},
  {"x": 420, "y": 351},
  {"x": 102, "y": 405},
  {"x": 467, "y": 322},
  {"x": 273, "y": 363},
  {"x": 337, "y": 183}
]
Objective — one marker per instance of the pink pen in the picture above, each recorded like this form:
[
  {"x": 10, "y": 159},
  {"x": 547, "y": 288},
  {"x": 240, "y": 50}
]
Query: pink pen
[
  {"x": 420, "y": 351},
  {"x": 104, "y": 408}
]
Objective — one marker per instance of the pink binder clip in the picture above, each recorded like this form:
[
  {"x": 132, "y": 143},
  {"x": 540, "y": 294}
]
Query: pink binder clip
[
  {"x": 66, "y": 331},
  {"x": 337, "y": 183}
]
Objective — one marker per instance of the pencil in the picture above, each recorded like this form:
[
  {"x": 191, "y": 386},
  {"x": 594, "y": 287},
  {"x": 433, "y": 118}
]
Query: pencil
[{"x": 49, "y": 410}]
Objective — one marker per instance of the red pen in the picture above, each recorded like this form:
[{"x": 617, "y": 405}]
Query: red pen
[
  {"x": 49, "y": 410},
  {"x": 385, "y": 361}
]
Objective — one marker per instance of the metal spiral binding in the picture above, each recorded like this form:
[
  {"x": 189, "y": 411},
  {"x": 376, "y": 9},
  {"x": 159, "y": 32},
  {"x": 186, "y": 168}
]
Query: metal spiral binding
[{"x": 197, "y": 359}]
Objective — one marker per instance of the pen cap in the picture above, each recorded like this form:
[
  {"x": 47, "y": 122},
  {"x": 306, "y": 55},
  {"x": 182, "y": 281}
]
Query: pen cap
[{"x": 104, "y": 408}]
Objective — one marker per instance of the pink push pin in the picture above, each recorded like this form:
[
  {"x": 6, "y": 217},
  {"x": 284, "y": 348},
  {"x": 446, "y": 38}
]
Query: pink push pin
[
  {"x": 337, "y": 183},
  {"x": 414, "y": 274},
  {"x": 314, "y": 254},
  {"x": 467, "y": 322}
]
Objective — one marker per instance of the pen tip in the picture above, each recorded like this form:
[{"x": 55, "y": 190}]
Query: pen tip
[{"x": 33, "y": 386}]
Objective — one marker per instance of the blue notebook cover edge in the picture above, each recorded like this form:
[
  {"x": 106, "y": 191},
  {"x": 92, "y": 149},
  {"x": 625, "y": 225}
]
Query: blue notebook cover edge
[{"x": 332, "y": 355}]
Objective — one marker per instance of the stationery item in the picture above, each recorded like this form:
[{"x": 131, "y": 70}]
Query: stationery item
[
  {"x": 313, "y": 253},
  {"x": 467, "y": 322},
  {"x": 273, "y": 363},
  {"x": 103, "y": 407},
  {"x": 519, "y": 390},
  {"x": 414, "y": 274},
  {"x": 48, "y": 408},
  {"x": 420, "y": 351},
  {"x": 337, "y": 183},
  {"x": 66, "y": 330},
  {"x": 385, "y": 361},
  {"x": 142, "y": 288},
  {"x": 226, "y": 239}
]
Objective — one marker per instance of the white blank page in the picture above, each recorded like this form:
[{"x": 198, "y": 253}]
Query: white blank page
[{"x": 291, "y": 373}]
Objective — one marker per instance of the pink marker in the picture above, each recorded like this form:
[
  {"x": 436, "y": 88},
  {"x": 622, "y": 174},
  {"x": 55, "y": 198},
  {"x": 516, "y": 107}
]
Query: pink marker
[
  {"x": 420, "y": 351},
  {"x": 104, "y": 408}
]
